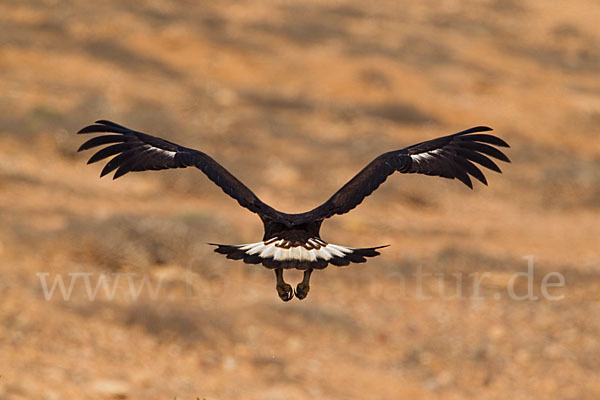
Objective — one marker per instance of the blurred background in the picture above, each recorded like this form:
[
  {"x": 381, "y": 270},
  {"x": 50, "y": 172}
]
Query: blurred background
[{"x": 294, "y": 97}]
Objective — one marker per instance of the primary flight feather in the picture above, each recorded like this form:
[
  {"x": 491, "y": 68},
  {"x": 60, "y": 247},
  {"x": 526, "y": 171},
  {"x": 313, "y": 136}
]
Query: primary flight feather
[{"x": 292, "y": 240}]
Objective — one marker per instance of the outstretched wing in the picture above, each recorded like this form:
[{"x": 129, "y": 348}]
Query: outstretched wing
[
  {"x": 453, "y": 156},
  {"x": 137, "y": 151}
]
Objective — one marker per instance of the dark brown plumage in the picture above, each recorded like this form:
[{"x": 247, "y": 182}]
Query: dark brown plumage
[{"x": 292, "y": 240}]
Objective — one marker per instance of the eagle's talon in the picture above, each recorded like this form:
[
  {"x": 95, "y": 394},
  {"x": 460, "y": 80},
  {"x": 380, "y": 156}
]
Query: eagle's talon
[
  {"x": 302, "y": 290},
  {"x": 285, "y": 292}
]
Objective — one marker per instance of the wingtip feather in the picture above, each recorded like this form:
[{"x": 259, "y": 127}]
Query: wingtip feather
[
  {"x": 88, "y": 129},
  {"x": 480, "y": 128},
  {"x": 118, "y": 174},
  {"x": 466, "y": 180}
]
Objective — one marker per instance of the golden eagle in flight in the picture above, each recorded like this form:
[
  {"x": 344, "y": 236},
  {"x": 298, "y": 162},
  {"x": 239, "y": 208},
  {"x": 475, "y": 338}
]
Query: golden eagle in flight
[{"x": 293, "y": 240}]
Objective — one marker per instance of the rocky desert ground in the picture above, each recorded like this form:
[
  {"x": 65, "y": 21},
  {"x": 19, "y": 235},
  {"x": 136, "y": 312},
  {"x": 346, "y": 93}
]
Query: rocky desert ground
[{"x": 294, "y": 97}]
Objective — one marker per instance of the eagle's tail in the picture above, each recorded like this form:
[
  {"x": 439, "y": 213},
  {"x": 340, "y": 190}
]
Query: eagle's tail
[{"x": 280, "y": 253}]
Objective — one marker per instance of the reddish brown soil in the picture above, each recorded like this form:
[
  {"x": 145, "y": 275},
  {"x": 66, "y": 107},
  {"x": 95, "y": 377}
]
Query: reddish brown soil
[{"x": 294, "y": 97}]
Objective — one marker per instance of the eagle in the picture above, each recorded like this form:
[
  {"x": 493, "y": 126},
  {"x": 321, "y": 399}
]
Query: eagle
[{"x": 292, "y": 241}]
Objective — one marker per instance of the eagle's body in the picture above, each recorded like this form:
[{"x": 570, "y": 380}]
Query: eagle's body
[
  {"x": 298, "y": 247},
  {"x": 293, "y": 240}
]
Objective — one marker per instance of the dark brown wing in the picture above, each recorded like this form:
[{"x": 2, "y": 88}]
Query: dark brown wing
[
  {"x": 137, "y": 151},
  {"x": 453, "y": 156}
]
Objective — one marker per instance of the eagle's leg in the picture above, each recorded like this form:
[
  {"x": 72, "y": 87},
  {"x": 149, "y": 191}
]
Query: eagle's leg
[
  {"x": 284, "y": 290},
  {"x": 304, "y": 286}
]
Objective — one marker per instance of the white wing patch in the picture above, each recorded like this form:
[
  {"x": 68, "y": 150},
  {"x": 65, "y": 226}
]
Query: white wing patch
[
  {"x": 153, "y": 149},
  {"x": 423, "y": 156},
  {"x": 273, "y": 249}
]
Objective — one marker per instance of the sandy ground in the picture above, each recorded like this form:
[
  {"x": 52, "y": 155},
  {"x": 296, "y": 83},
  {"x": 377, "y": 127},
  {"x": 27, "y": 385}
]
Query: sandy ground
[{"x": 294, "y": 97}]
